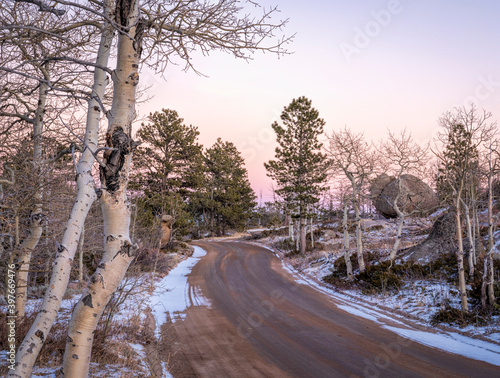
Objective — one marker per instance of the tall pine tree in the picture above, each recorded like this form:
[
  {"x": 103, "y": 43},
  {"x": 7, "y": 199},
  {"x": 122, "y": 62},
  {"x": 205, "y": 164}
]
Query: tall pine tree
[
  {"x": 168, "y": 169},
  {"x": 299, "y": 168},
  {"x": 229, "y": 197}
]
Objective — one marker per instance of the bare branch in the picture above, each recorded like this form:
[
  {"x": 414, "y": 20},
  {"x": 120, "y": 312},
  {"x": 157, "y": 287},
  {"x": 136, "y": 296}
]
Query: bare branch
[{"x": 44, "y": 7}]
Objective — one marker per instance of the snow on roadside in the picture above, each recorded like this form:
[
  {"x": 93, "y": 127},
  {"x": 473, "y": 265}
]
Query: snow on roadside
[
  {"x": 172, "y": 295},
  {"x": 418, "y": 299}
]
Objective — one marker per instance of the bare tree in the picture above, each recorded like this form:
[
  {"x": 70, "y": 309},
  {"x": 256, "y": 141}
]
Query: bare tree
[
  {"x": 162, "y": 31},
  {"x": 492, "y": 160},
  {"x": 353, "y": 157},
  {"x": 403, "y": 156},
  {"x": 35, "y": 81},
  {"x": 465, "y": 130}
]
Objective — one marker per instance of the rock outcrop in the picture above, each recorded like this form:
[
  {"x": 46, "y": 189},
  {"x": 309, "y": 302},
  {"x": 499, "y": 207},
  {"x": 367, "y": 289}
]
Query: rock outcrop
[
  {"x": 441, "y": 240},
  {"x": 416, "y": 197},
  {"x": 166, "y": 230}
]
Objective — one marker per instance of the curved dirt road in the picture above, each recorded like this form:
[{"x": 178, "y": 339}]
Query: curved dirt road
[{"x": 262, "y": 324}]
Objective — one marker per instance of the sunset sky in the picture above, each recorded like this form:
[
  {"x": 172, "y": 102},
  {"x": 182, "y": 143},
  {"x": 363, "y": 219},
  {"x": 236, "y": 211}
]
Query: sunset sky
[{"x": 368, "y": 65}]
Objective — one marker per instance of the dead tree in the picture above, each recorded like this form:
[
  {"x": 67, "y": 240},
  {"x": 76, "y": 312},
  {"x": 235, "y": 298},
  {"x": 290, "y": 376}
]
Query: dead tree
[
  {"x": 350, "y": 155},
  {"x": 403, "y": 156}
]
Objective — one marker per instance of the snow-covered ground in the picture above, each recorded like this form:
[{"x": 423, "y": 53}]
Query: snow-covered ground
[{"x": 172, "y": 295}]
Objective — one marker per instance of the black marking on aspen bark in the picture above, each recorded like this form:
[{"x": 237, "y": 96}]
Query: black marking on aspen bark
[
  {"x": 40, "y": 335},
  {"x": 69, "y": 339},
  {"x": 75, "y": 356},
  {"x": 61, "y": 248},
  {"x": 97, "y": 277},
  {"x": 134, "y": 78},
  {"x": 123, "y": 145},
  {"x": 87, "y": 301},
  {"x": 102, "y": 266},
  {"x": 30, "y": 349},
  {"x": 110, "y": 238}
]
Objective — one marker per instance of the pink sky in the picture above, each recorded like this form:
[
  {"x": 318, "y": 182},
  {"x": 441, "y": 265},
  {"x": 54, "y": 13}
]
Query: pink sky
[{"x": 371, "y": 65}]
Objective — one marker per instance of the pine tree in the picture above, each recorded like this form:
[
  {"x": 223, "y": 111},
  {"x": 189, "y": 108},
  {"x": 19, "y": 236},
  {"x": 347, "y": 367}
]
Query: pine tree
[
  {"x": 229, "y": 198},
  {"x": 299, "y": 168},
  {"x": 167, "y": 169},
  {"x": 465, "y": 132}
]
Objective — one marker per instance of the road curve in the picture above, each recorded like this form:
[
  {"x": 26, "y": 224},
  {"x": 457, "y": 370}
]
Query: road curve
[{"x": 261, "y": 323}]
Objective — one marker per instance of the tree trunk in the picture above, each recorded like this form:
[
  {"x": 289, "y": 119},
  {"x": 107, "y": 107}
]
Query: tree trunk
[
  {"x": 460, "y": 255},
  {"x": 472, "y": 241},
  {"x": 32, "y": 343},
  {"x": 347, "y": 254},
  {"x": 118, "y": 249},
  {"x": 312, "y": 233},
  {"x": 487, "y": 292},
  {"x": 80, "y": 258},
  {"x": 397, "y": 242},
  {"x": 359, "y": 242},
  {"x": 35, "y": 227},
  {"x": 116, "y": 259},
  {"x": 355, "y": 203},
  {"x": 303, "y": 230}
]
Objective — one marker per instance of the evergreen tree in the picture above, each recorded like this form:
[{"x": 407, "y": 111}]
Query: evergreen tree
[
  {"x": 229, "y": 199},
  {"x": 299, "y": 168},
  {"x": 464, "y": 132},
  {"x": 168, "y": 168}
]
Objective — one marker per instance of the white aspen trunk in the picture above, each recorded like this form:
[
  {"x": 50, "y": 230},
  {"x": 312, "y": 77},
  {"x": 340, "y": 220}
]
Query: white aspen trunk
[
  {"x": 472, "y": 241},
  {"x": 312, "y": 233},
  {"x": 491, "y": 281},
  {"x": 303, "y": 230},
  {"x": 397, "y": 242},
  {"x": 359, "y": 242},
  {"x": 32, "y": 343},
  {"x": 475, "y": 223},
  {"x": 80, "y": 258},
  {"x": 347, "y": 254},
  {"x": 116, "y": 259},
  {"x": 35, "y": 228},
  {"x": 487, "y": 291},
  {"x": 290, "y": 227},
  {"x": 118, "y": 249},
  {"x": 401, "y": 221},
  {"x": 297, "y": 235},
  {"x": 460, "y": 255}
]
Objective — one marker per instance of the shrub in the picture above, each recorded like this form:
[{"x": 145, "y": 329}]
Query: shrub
[{"x": 454, "y": 316}]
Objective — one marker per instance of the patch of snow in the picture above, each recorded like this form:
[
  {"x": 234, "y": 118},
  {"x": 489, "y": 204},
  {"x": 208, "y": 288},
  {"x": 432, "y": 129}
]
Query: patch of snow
[
  {"x": 173, "y": 295},
  {"x": 453, "y": 343}
]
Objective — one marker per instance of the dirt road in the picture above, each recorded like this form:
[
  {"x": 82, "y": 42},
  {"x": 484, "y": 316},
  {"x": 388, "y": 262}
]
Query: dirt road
[{"x": 261, "y": 323}]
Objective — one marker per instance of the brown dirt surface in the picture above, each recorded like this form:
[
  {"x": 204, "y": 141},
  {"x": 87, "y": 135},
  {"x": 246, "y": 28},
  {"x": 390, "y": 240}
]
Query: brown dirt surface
[{"x": 262, "y": 323}]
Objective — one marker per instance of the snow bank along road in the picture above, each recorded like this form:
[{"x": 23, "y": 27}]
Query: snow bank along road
[{"x": 261, "y": 323}]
